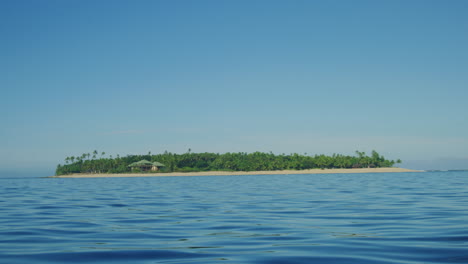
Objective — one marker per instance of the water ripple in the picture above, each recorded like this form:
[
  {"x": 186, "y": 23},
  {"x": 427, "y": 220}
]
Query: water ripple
[{"x": 407, "y": 218}]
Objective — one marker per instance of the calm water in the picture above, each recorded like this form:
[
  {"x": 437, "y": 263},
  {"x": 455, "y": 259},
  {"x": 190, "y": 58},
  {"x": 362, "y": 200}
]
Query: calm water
[{"x": 340, "y": 218}]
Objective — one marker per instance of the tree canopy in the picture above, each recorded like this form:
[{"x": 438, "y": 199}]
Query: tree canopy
[{"x": 241, "y": 161}]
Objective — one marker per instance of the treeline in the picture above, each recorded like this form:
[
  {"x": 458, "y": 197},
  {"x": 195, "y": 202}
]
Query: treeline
[{"x": 187, "y": 162}]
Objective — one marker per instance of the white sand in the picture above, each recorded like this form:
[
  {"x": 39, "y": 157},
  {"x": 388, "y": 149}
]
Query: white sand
[{"x": 227, "y": 173}]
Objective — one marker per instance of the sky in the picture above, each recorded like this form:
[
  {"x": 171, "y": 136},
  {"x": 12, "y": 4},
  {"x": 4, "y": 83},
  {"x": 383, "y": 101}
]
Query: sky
[{"x": 315, "y": 77}]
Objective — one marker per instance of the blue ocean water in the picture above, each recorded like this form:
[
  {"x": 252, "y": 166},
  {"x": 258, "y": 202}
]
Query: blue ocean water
[{"x": 335, "y": 218}]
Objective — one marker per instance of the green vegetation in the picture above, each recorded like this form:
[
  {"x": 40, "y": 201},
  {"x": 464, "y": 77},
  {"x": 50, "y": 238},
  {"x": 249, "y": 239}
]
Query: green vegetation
[{"x": 190, "y": 162}]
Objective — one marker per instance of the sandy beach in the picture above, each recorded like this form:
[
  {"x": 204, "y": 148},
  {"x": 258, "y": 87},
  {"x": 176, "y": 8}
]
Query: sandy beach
[{"x": 234, "y": 173}]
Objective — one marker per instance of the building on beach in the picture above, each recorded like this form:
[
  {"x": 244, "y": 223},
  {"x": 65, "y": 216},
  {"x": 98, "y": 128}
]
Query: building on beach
[{"x": 145, "y": 165}]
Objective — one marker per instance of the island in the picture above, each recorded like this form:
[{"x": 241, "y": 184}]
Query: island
[{"x": 95, "y": 164}]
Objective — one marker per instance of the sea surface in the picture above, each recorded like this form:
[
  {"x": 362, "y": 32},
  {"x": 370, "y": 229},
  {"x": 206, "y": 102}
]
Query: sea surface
[{"x": 333, "y": 218}]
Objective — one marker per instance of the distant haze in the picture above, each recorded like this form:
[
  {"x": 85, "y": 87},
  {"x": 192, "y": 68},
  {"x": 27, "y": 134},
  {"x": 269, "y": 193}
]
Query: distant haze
[
  {"x": 316, "y": 77},
  {"x": 441, "y": 164}
]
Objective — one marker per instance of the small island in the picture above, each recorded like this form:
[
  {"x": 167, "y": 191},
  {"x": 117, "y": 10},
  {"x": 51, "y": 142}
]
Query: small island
[{"x": 205, "y": 164}]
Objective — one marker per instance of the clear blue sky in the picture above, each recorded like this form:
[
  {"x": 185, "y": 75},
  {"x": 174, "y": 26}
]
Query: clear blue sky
[{"x": 130, "y": 77}]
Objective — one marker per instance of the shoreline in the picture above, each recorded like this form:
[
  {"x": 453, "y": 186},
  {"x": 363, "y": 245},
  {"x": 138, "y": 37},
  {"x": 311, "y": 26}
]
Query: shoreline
[{"x": 237, "y": 173}]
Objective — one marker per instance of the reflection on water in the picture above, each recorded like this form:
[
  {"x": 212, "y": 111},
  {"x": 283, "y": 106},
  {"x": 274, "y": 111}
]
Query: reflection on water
[{"x": 341, "y": 218}]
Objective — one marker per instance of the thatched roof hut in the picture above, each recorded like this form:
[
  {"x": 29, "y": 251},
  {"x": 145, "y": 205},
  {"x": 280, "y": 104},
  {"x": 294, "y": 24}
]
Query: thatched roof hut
[
  {"x": 158, "y": 164},
  {"x": 145, "y": 165}
]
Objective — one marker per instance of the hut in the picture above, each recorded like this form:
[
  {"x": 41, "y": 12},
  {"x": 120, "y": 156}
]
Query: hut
[
  {"x": 157, "y": 166},
  {"x": 145, "y": 165}
]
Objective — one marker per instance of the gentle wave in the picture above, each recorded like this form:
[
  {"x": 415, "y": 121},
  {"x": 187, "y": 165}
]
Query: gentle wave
[{"x": 338, "y": 218}]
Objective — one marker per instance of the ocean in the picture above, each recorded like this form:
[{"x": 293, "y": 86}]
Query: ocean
[{"x": 335, "y": 218}]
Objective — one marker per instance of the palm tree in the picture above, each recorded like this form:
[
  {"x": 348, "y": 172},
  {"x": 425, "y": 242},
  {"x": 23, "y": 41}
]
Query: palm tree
[{"x": 360, "y": 154}]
